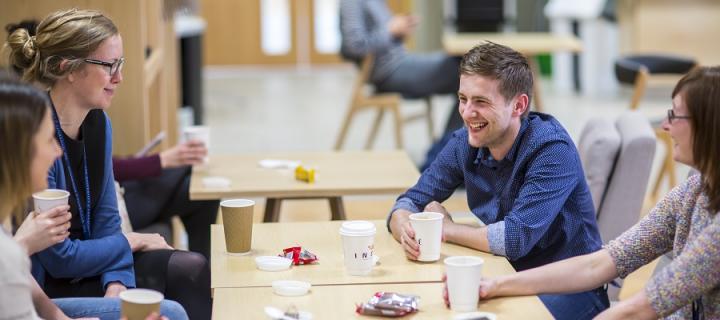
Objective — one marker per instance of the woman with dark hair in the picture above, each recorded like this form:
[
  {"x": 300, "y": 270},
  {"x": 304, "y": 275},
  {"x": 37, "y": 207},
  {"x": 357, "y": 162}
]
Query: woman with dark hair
[
  {"x": 78, "y": 56},
  {"x": 685, "y": 223}
]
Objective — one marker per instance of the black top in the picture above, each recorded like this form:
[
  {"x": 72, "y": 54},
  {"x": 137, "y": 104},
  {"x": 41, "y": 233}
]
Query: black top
[{"x": 92, "y": 136}]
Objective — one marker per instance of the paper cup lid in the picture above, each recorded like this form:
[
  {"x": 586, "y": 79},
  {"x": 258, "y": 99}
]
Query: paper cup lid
[
  {"x": 357, "y": 228},
  {"x": 290, "y": 288},
  {"x": 272, "y": 263}
]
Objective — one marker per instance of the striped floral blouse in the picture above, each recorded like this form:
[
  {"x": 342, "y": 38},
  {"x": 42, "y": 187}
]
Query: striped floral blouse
[{"x": 680, "y": 224}]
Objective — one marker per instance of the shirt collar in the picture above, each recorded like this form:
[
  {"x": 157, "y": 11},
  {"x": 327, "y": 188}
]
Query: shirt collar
[{"x": 485, "y": 157}]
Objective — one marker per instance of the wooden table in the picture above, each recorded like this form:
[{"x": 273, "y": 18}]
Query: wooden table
[
  {"x": 528, "y": 43},
  {"x": 338, "y": 302},
  {"x": 337, "y": 174},
  {"x": 323, "y": 239}
]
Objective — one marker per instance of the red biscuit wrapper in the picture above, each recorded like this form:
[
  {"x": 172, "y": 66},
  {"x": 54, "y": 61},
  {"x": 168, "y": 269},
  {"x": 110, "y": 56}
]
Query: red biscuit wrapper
[
  {"x": 389, "y": 304},
  {"x": 299, "y": 256}
]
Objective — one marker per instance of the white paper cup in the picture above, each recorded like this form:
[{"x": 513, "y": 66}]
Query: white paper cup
[
  {"x": 201, "y": 133},
  {"x": 358, "y": 239},
  {"x": 463, "y": 282},
  {"x": 49, "y": 198},
  {"x": 137, "y": 304},
  {"x": 428, "y": 234}
]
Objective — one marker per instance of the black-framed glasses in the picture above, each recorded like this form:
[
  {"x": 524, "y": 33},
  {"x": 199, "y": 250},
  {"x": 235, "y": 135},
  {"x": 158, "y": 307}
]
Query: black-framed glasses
[
  {"x": 114, "y": 67},
  {"x": 672, "y": 116}
]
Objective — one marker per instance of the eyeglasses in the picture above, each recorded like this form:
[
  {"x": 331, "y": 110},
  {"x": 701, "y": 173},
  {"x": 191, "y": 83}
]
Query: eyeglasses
[
  {"x": 672, "y": 116},
  {"x": 115, "y": 67}
]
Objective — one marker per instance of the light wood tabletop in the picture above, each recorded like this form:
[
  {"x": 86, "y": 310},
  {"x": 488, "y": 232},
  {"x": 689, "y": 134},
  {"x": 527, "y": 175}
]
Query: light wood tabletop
[
  {"x": 322, "y": 238},
  {"x": 337, "y": 174},
  {"x": 338, "y": 302},
  {"x": 527, "y": 43}
]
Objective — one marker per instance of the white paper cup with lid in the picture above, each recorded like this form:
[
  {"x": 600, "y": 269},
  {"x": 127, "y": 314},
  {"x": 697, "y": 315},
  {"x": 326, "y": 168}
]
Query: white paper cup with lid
[{"x": 358, "y": 239}]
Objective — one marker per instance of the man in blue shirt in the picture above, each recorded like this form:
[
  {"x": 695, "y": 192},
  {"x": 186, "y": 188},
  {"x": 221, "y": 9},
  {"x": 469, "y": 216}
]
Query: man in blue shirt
[{"x": 522, "y": 174}]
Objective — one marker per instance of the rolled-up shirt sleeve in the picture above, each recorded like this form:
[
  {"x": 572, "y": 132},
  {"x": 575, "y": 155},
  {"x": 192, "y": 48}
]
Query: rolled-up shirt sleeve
[{"x": 496, "y": 238}]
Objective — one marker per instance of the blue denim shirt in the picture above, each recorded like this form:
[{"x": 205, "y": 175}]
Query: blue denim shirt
[{"x": 535, "y": 202}]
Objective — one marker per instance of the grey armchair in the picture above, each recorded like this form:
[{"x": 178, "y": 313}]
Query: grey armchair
[{"x": 617, "y": 159}]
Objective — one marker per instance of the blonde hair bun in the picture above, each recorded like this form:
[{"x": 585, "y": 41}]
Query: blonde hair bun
[{"x": 23, "y": 49}]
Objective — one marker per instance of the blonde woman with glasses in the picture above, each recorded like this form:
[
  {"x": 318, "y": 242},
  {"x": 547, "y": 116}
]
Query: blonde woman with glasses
[{"x": 78, "y": 56}]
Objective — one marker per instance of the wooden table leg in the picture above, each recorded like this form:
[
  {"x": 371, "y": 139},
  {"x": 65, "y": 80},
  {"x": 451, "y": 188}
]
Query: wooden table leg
[
  {"x": 272, "y": 210},
  {"x": 337, "y": 209},
  {"x": 536, "y": 99}
]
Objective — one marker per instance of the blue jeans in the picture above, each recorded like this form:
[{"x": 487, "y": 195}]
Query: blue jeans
[
  {"x": 583, "y": 305},
  {"x": 109, "y": 308}
]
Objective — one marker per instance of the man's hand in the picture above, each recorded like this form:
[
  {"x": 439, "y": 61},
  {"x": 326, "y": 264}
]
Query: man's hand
[
  {"x": 447, "y": 219},
  {"x": 44, "y": 229},
  {"x": 146, "y": 241},
  {"x": 113, "y": 289},
  {"x": 403, "y": 232},
  {"x": 187, "y": 153}
]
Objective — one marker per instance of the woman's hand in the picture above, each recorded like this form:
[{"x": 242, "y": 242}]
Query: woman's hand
[
  {"x": 113, "y": 289},
  {"x": 146, "y": 242},
  {"x": 488, "y": 289},
  {"x": 42, "y": 230},
  {"x": 187, "y": 153}
]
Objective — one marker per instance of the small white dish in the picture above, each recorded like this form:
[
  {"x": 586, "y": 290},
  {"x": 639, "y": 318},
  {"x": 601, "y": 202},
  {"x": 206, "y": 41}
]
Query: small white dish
[
  {"x": 277, "y": 314},
  {"x": 272, "y": 263},
  {"x": 475, "y": 315},
  {"x": 278, "y": 164},
  {"x": 216, "y": 182},
  {"x": 290, "y": 288}
]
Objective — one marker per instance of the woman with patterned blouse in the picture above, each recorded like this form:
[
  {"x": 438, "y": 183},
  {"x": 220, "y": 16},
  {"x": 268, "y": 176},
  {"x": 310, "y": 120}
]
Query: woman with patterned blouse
[{"x": 685, "y": 223}]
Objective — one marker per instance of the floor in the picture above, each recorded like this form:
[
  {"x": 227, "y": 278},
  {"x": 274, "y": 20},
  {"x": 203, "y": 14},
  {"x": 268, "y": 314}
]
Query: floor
[{"x": 261, "y": 109}]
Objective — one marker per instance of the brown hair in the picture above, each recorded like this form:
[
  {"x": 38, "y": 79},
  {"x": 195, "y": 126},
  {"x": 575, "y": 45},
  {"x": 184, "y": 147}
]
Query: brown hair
[
  {"x": 501, "y": 63},
  {"x": 70, "y": 35},
  {"x": 22, "y": 110},
  {"x": 700, "y": 89}
]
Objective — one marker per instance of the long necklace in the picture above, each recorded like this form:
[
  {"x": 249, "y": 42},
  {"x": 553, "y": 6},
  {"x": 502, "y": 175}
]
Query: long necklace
[{"x": 83, "y": 213}]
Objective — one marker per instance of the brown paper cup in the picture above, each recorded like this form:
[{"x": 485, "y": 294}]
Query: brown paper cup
[
  {"x": 137, "y": 304},
  {"x": 237, "y": 217}
]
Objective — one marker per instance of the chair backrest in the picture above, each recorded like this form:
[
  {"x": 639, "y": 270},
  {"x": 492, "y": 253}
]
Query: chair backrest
[{"x": 620, "y": 201}]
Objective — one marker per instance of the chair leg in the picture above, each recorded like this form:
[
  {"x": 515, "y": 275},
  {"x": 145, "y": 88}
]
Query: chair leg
[
  {"x": 375, "y": 128},
  {"x": 668, "y": 166},
  {"x": 345, "y": 126},
  {"x": 398, "y": 126},
  {"x": 640, "y": 84},
  {"x": 428, "y": 114},
  {"x": 535, "y": 67}
]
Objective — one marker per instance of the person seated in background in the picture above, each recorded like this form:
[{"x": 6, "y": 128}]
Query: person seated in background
[
  {"x": 78, "y": 56},
  {"x": 522, "y": 175},
  {"x": 157, "y": 187},
  {"x": 368, "y": 27},
  {"x": 27, "y": 149},
  {"x": 685, "y": 223}
]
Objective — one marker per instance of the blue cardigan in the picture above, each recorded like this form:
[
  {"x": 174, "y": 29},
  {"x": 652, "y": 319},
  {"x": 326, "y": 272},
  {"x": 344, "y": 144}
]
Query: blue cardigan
[{"x": 107, "y": 253}]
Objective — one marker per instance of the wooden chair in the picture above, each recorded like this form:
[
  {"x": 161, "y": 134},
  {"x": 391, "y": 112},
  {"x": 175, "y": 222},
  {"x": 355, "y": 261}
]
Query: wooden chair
[
  {"x": 382, "y": 102},
  {"x": 637, "y": 71}
]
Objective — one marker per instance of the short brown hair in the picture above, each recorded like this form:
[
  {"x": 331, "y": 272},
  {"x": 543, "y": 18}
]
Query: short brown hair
[
  {"x": 70, "y": 35},
  {"x": 22, "y": 110},
  {"x": 700, "y": 89},
  {"x": 499, "y": 62}
]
